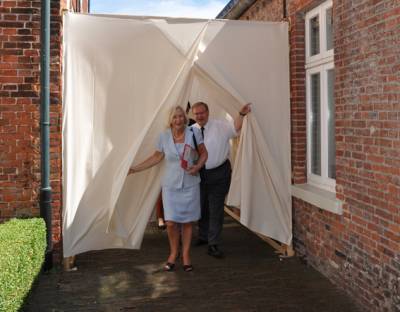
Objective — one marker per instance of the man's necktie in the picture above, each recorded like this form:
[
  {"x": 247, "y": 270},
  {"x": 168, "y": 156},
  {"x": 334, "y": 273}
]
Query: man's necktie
[{"x": 202, "y": 132}]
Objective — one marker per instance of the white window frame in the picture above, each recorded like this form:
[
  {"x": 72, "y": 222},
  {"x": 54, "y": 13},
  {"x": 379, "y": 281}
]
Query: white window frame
[
  {"x": 320, "y": 63},
  {"x": 324, "y": 54}
]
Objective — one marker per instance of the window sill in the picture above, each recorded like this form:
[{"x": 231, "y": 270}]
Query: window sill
[{"x": 318, "y": 197}]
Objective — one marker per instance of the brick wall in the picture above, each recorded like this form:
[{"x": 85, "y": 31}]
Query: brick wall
[
  {"x": 19, "y": 110},
  {"x": 264, "y": 10},
  {"x": 359, "y": 250},
  {"x": 367, "y": 61}
]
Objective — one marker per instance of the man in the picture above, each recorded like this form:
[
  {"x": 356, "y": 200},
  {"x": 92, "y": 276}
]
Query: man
[{"x": 216, "y": 176}]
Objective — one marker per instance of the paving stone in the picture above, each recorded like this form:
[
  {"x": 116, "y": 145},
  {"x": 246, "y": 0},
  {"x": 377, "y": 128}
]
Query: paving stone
[{"x": 250, "y": 278}]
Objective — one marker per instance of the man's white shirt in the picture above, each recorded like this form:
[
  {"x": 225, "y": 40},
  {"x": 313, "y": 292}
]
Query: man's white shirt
[{"x": 217, "y": 134}]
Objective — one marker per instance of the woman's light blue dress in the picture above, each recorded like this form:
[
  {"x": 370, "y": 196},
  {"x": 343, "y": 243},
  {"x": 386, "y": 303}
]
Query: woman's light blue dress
[{"x": 180, "y": 190}]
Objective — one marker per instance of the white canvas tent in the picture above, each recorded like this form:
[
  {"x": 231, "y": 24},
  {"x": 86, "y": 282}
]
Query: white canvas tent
[{"x": 121, "y": 76}]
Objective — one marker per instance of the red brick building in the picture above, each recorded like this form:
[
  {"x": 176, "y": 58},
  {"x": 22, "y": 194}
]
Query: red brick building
[
  {"x": 345, "y": 110},
  {"x": 345, "y": 118},
  {"x": 19, "y": 108}
]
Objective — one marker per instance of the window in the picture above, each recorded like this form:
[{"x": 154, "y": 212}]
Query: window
[{"x": 320, "y": 77}]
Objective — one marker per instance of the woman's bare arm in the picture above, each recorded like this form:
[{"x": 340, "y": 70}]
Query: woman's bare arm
[{"x": 148, "y": 163}]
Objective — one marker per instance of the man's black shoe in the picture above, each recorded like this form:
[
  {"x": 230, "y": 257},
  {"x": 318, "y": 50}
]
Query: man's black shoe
[
  {"x": 215, "y": 252},
  {"x": 200, "y": 242}
]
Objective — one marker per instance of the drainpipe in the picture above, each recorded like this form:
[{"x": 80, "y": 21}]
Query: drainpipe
[
  {"x": 284, "y": 14},
  {"x": 45, "y": 190}
]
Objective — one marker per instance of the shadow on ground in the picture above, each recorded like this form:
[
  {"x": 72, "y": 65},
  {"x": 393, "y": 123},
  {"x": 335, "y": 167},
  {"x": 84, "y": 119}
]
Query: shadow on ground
[{"x": 250, "y": 278}]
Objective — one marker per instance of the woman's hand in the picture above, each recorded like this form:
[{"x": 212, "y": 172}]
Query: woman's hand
[{"x": 131, "y": 171}]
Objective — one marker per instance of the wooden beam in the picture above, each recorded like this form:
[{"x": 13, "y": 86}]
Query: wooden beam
[{"x": 284, "y": 251}]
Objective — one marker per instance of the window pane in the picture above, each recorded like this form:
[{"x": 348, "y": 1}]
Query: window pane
[
  {"x": 331, "y": 126},
  {"x": 329, "y": 27},
  {"x": 315, "y": 124},
  {"x": 314, "y": 36}
]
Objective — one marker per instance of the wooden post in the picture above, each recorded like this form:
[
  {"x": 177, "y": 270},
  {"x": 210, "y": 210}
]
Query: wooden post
[{"x": 69, "y": 264}]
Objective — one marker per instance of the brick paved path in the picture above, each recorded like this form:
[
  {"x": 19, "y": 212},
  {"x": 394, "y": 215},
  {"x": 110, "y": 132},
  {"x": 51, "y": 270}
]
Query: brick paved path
[{"x": 250, "y": 278}]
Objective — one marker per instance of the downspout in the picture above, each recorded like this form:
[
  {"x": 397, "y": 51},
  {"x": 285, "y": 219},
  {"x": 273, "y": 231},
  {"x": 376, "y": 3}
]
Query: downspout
[
  {"x": 45, "y": 190},
  {"x": 284, "y": 14}
]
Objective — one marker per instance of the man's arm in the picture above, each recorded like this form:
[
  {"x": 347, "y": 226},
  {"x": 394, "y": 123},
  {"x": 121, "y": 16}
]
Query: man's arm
[
  {"x": 201, "y": 161},
  {"x": 242, "y": 113}
]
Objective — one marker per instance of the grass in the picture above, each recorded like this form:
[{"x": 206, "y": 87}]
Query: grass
[{"x": 22, "y": 250}]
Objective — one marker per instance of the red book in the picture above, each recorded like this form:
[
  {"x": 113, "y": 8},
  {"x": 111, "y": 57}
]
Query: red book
[{"x": 187, "y": 157}]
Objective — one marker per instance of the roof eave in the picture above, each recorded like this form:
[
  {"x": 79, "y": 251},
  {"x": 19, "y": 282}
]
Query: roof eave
[{"x": 235, "y": 8}]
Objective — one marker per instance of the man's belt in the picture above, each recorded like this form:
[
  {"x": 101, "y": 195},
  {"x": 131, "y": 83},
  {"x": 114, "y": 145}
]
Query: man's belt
[{"x": 219, "y": 167}]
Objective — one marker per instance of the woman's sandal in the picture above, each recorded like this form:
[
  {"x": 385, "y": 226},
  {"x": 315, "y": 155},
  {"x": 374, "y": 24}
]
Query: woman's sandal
[
  {"x": 161, "y": 224},
  {"x": 169, "y": 267},
  {"x": 188, "y": 268}
]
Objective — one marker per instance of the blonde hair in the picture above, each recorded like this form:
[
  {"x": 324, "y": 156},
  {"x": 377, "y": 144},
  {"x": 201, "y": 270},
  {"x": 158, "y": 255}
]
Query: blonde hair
[{"x": 173, "y": 112}]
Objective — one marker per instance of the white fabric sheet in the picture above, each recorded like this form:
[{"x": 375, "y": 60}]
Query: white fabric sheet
[{"x": 121, "y": 76}]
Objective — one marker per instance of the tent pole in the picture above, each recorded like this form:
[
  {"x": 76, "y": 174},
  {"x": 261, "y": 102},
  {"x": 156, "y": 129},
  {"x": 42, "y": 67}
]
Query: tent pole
[{"x": 45, "y": 190}]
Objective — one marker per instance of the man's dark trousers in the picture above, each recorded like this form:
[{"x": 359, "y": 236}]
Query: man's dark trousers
[{"x": 213, "y": 189}]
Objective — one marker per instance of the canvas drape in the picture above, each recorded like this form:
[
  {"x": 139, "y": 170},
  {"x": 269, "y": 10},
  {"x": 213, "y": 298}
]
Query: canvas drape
[{"x": 122, "y": 74}]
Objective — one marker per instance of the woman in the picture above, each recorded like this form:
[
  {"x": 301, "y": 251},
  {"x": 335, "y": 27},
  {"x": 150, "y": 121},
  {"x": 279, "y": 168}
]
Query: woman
[{"x": 180, "y": 183}]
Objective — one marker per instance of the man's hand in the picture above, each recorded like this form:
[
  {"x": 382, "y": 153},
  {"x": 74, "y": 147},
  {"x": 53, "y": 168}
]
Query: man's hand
[
  {"x": 193, "y": 170},
  {"x": 245, "y": 109},
  {"x": 242, "y": 113}
]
